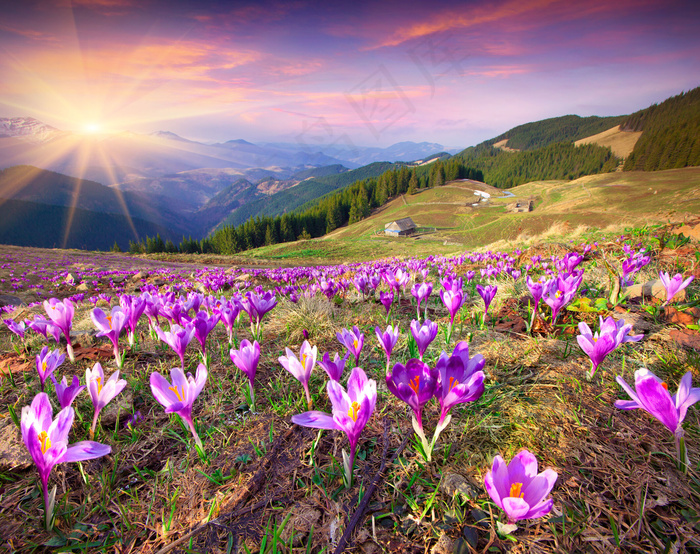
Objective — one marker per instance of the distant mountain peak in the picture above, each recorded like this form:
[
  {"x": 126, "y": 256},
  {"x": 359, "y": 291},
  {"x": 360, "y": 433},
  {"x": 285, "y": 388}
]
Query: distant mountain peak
[
  {"x": 28, "y": 129},
  {"x": 239, "y": 141},
  {"x": 169, "y": 135}
]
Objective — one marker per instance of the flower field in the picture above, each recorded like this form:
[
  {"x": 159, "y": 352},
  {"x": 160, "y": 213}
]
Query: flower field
[{"x": 535, "y": 400}]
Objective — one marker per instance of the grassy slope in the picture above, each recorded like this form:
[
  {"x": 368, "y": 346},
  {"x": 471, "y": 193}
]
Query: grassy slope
[{"x": 629, "y": 198}]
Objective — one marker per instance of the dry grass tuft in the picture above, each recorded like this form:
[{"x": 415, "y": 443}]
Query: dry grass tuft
[{"x": 315, "y": 314}]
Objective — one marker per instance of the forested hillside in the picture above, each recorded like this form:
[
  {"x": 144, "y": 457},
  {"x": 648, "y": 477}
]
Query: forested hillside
[
  {"x": 568, "y": 128},
  {"x": 561, "y": 160},
  {"x": 670, "y": 134},
  {"x": 49, "y": 226}
]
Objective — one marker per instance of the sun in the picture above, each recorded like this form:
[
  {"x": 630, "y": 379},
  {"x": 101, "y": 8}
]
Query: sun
[{"x": 92, "y": 128}]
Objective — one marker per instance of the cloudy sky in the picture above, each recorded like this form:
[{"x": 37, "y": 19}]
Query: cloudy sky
[{"x": 370, "y": 74}]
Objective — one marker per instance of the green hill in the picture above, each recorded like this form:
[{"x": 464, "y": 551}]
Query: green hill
[
  {"x": 567, "y": 128},
  {"x": 31, "y": 184},
  {"x": 43, "y": 225},
  {"x": 670, "y": 134},
  {"x": 560, "y": 160}
]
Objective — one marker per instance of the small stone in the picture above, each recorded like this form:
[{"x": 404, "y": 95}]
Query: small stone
[
  {"x": 72, "y": 279},
  {"x": 303, "y": 518},
  {"x": 117, "y": 279},
  {"x": 121, "y": 406},
  {"x": 140, "y": 275},
  {"x": 444, "y": 545},
  {"x": 9, "y": 300},
  {"x": 454, "y": 484},
  {"x": 243, "y": 277},
  {"x": 13, "y": 453},
  {"x": 651, "y": 289},
  {"x": 82, "y": 287}
]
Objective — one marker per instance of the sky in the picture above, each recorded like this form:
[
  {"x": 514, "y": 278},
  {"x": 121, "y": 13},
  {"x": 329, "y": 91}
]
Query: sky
[{"x": 322, "y": 74}]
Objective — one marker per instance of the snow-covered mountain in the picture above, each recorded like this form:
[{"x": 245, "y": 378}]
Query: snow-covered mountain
[{"x": 28, "y": 129}]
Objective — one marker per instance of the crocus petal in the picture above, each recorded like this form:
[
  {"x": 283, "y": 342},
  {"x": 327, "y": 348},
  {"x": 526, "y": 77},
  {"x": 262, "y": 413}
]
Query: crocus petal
[
  {"x": 539, "y": 487},
  {"x": 497, "y": 481},
  {"x": 515, "y": 508},
  {"x": 657, "y": 401},
  {"x": 315, "y": 419},
  {"x": 523, "y": 467},
  {"x": 627, "y": 404},
  {"x": 85, "y": 450},
  {"x": 541, "y": 509},
  {"x": 632, "y": 394},
  {"x": 160, "y": 387}
]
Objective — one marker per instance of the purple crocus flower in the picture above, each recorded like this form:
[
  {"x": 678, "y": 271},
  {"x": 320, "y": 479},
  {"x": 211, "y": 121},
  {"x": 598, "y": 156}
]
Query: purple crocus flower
[
  {"x": 46, "y": 439},
  {"x": 17, "y": 328},
  {"x": 133, "y": 309},
  {"x": 334, "y": 368},
  {"x": 620, "y": 328},
  {"x": 387, "y": 299},
  {"x": 351, "y": 412},
  {"x": 177, "y": 338},
  {"x": 246, "y": 359},
  {"x": 228, "y": 313},
  {"x": 110, "y": 326},
  {"x": 61, "y": 313},
  {"x": 423, "y": 334},
  {"x": 651, "y": 395},
  {"x": 453, "y": 299},
  {"x": 256, "y": 306},
  {"x": 101, "y": 392},
  {"x": 352, "y": 340},
  {"x": 361, "y": 284},
  {"x": 537, "y": 289},
  {"x": 43, "y": 327},
  {"x": 461, "y": 379},
  {"x": 301, "y": 367},
  {"x": 67, "y": 393},
  {"x": 596, "y": 346},
  {"x": 518, "y": 489},
  {"x": 387, "y": 340},
  {"x": 562, "y": 291},
  {"x": 47, "y": 362},
  {"x": 487, "y": 292},
  {"x": 414, "y": 384},
  {"x": 179, "y": 396},
  {"x": 203, "y": 325},
  {"x": 421, "y": 291},
  {"x": 673, "y": 285}
]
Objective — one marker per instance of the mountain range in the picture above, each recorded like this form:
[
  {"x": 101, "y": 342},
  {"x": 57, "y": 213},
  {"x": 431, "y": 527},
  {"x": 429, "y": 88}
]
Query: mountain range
[{"x": 174, "y": 186}]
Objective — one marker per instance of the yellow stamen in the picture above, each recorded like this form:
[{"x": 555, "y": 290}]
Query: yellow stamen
[
  {"x": 355, "y": 343},
  {"x": 453, "y": 383},
  {"x": 43, "y": 366},
  {"x": 664, "y": 385},
  {"x": 109, "y": 320},
  {"x": 99, "y": 384},
  {"x": 177, "y": 392},
  {"x": 415, "y": 385},
  {"x": 45, "y": 441},
  {"x": 354, "y": 410},
  {"x": 303, "y": 360},
  {"x": 515, "y": 490}
]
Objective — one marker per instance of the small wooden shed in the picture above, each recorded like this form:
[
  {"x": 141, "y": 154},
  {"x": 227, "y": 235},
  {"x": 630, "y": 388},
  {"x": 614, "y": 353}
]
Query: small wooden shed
[{"x": 400, "y": 227}]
